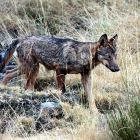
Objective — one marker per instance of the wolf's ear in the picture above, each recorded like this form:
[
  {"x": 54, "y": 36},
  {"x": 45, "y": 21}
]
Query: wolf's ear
[
  {"x": 103, "y": 39},
  {"x": 113, "y": 39}
]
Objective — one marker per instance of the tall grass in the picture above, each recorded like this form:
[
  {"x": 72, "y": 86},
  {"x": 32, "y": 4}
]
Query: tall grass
[{"x": 125, "y": 124}]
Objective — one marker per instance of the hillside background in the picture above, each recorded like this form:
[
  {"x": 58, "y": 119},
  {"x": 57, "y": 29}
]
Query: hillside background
[{"x": 116, "y": 93}]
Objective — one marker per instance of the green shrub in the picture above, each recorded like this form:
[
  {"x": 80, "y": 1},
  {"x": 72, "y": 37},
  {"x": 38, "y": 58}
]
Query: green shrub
[{"x": 126, "y": 125}]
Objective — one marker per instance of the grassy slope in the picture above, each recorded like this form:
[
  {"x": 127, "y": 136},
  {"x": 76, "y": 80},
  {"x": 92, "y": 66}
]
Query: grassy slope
[{"x": 111, "y": 17}]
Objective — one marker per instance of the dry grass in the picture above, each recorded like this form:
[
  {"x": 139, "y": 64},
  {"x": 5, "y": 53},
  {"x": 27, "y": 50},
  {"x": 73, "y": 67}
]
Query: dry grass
[
  {"x": 93, "y": 18},
  {"x": 78, "y": 129}
]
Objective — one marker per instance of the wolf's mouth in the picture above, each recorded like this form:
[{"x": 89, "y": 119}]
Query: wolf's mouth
[{"x": 113, "y": 69}]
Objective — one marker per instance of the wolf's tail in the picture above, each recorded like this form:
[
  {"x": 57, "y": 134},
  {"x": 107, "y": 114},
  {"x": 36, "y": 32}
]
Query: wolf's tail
[{"x": 8, "y": 54}]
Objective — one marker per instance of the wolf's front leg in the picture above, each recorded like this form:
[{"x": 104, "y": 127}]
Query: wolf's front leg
[
  {"x": 60, "y": 81},
  {"x": 86, "y": 81}
]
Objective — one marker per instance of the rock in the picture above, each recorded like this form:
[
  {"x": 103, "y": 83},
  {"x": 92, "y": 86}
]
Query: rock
[
  {"x": 20, "y": 99},
  {"x": 51, "y": 109},
  {"x": 48, "y": 112},
  {"x": 49, "y": 105}
]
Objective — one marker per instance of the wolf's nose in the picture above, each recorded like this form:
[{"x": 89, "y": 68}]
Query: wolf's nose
[{"x": 117, "y": 69}]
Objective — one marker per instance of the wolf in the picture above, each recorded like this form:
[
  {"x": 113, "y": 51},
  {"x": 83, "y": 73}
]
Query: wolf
[{"x": 65, "y": 56}]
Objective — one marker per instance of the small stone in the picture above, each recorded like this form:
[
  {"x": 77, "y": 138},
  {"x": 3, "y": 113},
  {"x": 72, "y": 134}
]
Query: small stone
[
  {"x": 51, "y": 109},
  {"x": 49, "y": 105},
  {"x": 20, "y": 99}
]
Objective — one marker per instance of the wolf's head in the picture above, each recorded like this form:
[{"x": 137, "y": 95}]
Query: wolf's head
[{"x": 107, "y": 52}]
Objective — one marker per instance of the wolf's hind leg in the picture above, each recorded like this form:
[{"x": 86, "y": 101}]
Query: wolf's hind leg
[
  {"x": 10, "y": 71},
  {"x": 11, "y": 74},
  {"x": 31, "y": 77}
]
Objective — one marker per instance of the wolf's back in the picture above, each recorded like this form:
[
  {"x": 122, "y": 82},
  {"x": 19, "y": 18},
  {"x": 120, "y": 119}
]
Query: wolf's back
[{"x": 8, "y": 54}]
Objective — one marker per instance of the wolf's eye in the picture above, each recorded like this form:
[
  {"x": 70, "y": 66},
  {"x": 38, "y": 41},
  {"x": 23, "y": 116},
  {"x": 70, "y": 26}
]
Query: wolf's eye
[{"x": 108, "y": 56}]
